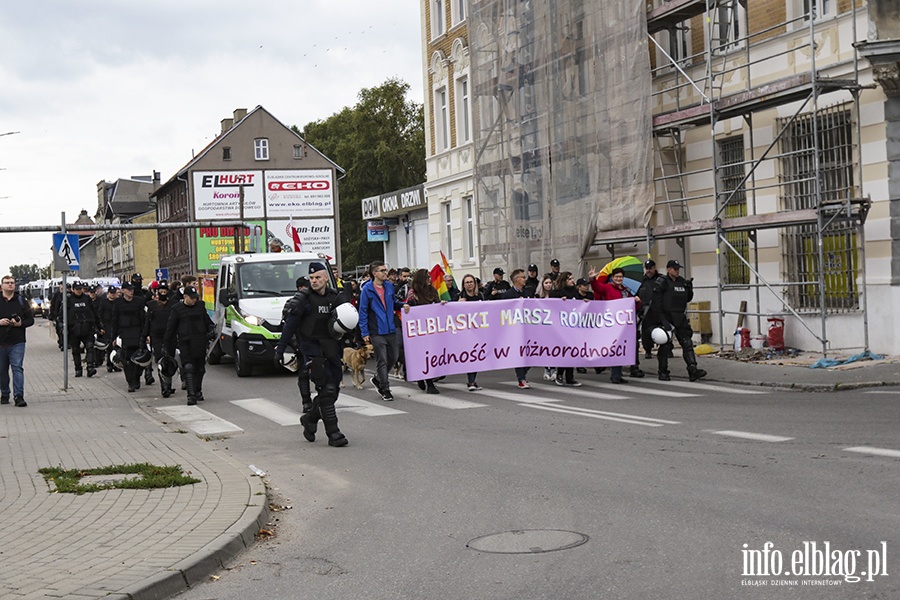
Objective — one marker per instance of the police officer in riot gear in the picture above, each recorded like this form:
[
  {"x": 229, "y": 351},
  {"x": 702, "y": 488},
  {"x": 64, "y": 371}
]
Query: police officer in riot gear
[
  {"x": 190, "y": 329},
  {"x": 158, "y": 312},
  {"x": 671, "y": 295},
  {"x": 302, "y": 370},
  {"x": 129, "y": 313},
  {"x": 84, "y": 323},
  {"x": 105, "y": 307},
  {"x": 137, "y": 280},
  {"x": 646, "y": 320},
  {"x": 309, "y": 319}
]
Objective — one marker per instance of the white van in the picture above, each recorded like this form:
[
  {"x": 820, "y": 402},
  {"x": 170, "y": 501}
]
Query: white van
[{"x": 250, "y": 293}]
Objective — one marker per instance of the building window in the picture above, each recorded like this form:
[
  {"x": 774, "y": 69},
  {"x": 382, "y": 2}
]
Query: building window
[
  {"x": 463, "y": 114},
  {"x": 832, "y": 150},
  {"x": 437, "y": 18},
  {"x": 226, "y": 153},
  {"x": 442, "y": 124},
  {"x": 298, "y": 151},
  {"x": 731, "y": 175},
  {"x": 729, "y": 27},
  {"x": 819, "y": 8},
  {"x": 447, "y": 242},
  {"x": 469, "y": 203},
  {"x": 458, "y": 8},
  {"x": 261, "y": 149}
]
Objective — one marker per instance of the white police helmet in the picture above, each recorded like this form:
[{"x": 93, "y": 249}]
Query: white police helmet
[
  {"x": 344, "y": 319},
  {"x": 661, "y": 336},
  {"x": 291, "y": 361}
]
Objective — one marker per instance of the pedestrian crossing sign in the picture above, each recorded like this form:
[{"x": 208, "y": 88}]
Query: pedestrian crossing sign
[{"x": 66, "y": 252}]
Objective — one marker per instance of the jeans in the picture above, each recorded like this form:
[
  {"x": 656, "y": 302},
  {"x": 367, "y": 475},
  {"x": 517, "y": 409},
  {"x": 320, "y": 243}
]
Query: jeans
[
  {"x": 12, "y": 356},
  {"x": 387, "y": 350},
  {"x": 521, "y": 373}
]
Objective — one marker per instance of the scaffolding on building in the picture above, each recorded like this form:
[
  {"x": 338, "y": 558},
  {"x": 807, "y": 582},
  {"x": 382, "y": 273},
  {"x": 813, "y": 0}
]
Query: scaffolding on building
[{"x": 810, "y": 196}]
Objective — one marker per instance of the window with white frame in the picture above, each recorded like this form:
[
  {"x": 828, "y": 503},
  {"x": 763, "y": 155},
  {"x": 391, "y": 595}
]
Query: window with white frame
[
  {"x": 261, "y": 149},
  {"x": 819, "y": 8},
  {"x": 458, "y": 10},
  {"x": 729, "y": 27},
  {"x": 469, "y": 204},
  {"x": 442, "y": 119},
  {"x": 447, "y": 242},
  {"x": 437, "y": 18},
  {"x": 734, "y": 195},
  {"x": 298, "y": 151},
  {"x": 463, "y": 111}
]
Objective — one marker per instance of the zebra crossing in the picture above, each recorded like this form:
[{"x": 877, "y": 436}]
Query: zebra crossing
[{"x": 543, "y": 397}]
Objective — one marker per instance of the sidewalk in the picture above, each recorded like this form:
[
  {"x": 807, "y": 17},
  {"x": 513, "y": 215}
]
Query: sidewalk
[{"x": 115, "y": 543}]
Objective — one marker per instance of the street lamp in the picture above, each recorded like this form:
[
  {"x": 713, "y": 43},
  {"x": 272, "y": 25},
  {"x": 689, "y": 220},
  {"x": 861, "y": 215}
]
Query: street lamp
[{"x": 9, "y": 133}]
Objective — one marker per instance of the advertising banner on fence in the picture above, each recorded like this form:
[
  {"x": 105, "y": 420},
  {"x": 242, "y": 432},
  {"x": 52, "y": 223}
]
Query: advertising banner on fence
[
  {"x": 215, "y": 242},
  {"x": 307, "y": 193},
  {"x": 316, "y": 235},
  {"x": 464, "y": 337},
  {"x": 217, "y": 194}
]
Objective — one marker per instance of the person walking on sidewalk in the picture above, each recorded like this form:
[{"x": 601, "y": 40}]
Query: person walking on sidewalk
[
  {"x": 376, "y": 325},
  {"x": 105, "y": 308},
  {"x": 15, "y": 316},
  {"x": 158, "y": 312},
  {"x": 190, "y": 329},
  {"x": 671, "y": 295},
  {"x": 84, "y": 323},
  {"x": 616, "y": 290},
  {"x": 311, "y": 320},
  {"x": 564, "y": 287},
  {"x": 471, "y": 293},
  {"x": 129, "y": 314},
  {"x": 518, "y": 290}
]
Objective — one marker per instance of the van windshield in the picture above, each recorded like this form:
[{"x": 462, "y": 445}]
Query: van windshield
[{"x": 258, "y": 280}]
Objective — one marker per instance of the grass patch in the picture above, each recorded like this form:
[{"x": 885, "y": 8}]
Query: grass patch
[{"x": 68, "y": 481}]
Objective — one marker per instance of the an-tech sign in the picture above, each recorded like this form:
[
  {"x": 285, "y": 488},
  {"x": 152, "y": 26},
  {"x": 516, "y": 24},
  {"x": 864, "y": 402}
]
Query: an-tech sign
[
  {"x": 306, "y": 193},
  {"x": 217, "y": 194}
]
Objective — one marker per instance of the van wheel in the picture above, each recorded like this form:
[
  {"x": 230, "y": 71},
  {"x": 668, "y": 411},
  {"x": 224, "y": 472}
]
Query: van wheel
[
  {"x": 215, "y": 354},
  {"x": 240, "y": 363}
]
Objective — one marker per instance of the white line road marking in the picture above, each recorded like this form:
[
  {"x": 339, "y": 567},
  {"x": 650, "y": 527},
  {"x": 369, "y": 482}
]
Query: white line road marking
[
  {"x": 760, "y": 437},
  {"x": 570, "y": 390},
  {"x": 622, "y": 415},
  {"x": 569, "y": 411},
  {"x": 347, "y": 403},
  {"x": 871, "y": 450},
  {"x": 638, "y": 389},
  {"x": 444, "y": 401},
  {"x": 200, "y": 421},
  {"x": 269, "y": 410},
  {"x": 697, "y": 386},
  {"x": 892, "y": 392},
  {"x": 531, "y": 396}
]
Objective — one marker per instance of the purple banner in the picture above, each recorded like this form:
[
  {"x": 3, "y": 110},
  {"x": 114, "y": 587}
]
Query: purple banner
[{"x": 464, "y": 337}]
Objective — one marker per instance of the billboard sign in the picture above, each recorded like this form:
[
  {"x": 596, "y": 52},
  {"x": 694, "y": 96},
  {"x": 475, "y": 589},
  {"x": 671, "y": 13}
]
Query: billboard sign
[
  {"x": 306, "y": 193},
  {"x": 217, "y": 194},
  {"x": 213, "y": 242},
  {"x": 316, "y": 235}
]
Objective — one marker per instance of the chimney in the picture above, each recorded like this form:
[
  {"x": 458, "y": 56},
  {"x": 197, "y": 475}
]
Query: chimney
[
  {"x": 156, "y": 180},
  {"x": 239, "y": 113},
  {"x": 227, "y": 124}
]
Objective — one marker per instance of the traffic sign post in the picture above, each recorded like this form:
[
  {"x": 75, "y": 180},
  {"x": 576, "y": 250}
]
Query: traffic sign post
[{"x": 162, "y": 273}]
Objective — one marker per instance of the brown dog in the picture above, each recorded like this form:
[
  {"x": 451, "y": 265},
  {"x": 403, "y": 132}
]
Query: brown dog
[{"x": 355, "y": 361}]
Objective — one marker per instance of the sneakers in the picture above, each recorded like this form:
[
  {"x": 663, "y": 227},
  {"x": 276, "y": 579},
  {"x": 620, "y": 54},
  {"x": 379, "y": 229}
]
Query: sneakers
[
  {"x": 4, "y": 400},
  {"x": 78, "y": 373},
  {"x": 474, "y": 387},
  {"x": 696, "y": 374},
  {"x": 559, "y": 381},
  {"x": 374, "y": 381},
  {"x": 573, "y": 383},
  {"x": 20, "y": 401},
  {"x": 91, "y": 371},
  {"x": 547, "y": 374},
  {"x": 387, "y": 396},
  {"x": 523, "y": 384},
  {"x": 663, "y": 376}
]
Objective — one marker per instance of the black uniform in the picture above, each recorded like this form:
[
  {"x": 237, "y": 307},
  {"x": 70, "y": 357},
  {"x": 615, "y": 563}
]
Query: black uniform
[
  {"x": 190, "y": 329},
  {"x": 56, "y": 314},
  {"x": 646, "y": 318},
  {"x": 307, "y": 326},
  {"x": 128, "y": 324},
  {"x": 302, "y": 370},
  {"x": 501, "y": 288},
  {"x": 155, "y": 328},
  {"x": 84, "y": 323},
  {"x": 667, "y": 308}
]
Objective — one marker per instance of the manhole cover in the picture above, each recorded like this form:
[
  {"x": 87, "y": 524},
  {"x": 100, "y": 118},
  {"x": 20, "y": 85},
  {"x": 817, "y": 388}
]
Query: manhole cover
[{"x": 527, "y": 541}]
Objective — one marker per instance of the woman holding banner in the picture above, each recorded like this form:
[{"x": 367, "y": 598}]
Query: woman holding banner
[
  {"x": 422, "y": 292},
  {"x": 614, "y": 291},
  {"x": 545, "y": 290},
  {"x": 471, "y": 293},
  {"x": 565, "y": 288}
]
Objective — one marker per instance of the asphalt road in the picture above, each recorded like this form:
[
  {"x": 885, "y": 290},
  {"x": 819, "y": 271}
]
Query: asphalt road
[{"x": 675, "y": 488}]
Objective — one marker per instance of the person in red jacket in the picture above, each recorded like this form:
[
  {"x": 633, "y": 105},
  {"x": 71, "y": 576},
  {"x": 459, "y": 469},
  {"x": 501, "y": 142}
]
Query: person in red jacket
[{"x": 615, "y": 290}]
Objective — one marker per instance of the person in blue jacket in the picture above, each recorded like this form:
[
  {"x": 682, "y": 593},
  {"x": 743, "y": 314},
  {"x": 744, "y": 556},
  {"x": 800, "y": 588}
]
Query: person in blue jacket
[{"x": 376, "y": 325}]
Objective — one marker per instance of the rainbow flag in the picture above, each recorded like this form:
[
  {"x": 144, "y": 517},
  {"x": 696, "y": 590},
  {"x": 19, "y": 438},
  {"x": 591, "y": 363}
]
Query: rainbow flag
[
  {"x": 437, "y": 280},
  {"x": 447, "y": 270}
]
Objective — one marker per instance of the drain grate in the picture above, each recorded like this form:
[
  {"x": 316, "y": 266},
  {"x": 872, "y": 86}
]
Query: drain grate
[{"x": 527, "y": 541}]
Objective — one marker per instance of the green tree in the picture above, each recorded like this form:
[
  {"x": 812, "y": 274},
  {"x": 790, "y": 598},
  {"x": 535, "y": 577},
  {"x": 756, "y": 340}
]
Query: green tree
[
  {"x": 25, "y": 272},
  {"x": 381, "y": 143}
]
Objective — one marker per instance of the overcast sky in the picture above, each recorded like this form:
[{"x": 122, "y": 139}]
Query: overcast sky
[{"x": 104, "y": 89}]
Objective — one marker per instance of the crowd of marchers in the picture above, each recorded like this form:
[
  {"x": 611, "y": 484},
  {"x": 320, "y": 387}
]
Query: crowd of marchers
[{"x": 383, "y": 294}]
